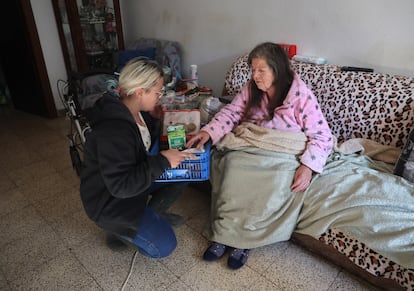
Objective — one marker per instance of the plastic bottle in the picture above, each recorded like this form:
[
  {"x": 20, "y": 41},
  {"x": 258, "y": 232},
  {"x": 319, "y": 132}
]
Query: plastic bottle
[{"x": 194, "y": 74}]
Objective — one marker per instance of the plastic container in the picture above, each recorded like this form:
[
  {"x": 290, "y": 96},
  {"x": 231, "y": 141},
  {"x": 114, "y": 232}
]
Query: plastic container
[
  {"x": 194, "y": 170},
  {"x": 310, "y": 59},
  {"x": 208, "y": 108}
]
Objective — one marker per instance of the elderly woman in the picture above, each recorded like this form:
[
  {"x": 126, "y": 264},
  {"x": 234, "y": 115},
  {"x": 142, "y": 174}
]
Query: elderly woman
[{"x": 275, "y": 99}]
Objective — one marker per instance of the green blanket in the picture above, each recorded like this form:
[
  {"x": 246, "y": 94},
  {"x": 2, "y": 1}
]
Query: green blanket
[{"x": 252, "y": 205}]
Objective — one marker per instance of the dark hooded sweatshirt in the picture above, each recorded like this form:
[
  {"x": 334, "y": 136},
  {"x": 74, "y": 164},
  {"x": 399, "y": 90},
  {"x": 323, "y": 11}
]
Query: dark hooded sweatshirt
[{"x": 117, "y": 171}]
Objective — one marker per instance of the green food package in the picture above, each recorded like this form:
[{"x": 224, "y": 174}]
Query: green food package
[{"x": 176, "y": 136}]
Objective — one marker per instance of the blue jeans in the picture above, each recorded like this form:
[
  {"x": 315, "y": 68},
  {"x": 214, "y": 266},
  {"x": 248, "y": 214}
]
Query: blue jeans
[{"x": 155, "y": 237}]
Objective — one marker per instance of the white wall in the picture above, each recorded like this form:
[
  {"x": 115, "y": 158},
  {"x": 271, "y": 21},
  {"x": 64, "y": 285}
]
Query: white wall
[
  {"x": 49, "y": 41},
  {"x": 367, "y": 33}
]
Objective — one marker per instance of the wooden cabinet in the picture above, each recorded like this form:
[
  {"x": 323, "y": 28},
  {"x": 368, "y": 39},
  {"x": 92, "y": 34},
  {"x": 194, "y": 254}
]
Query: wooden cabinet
[{"x": 90, "y": 32}]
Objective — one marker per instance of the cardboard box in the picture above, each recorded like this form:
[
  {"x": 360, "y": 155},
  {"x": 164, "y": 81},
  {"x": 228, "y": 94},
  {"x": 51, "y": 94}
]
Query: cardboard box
[{"x": 190, "y": 118}]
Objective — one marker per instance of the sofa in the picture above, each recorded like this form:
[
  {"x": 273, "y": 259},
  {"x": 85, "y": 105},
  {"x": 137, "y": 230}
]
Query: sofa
[{"x": 357, "y": 106}]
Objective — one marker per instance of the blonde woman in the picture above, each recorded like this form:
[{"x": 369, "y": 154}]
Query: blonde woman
[{"x": 118, "y": 174}]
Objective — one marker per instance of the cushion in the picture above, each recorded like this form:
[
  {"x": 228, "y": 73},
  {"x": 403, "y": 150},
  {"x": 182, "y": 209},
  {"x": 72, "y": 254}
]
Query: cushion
[
  {"x": 405, "y": 164},
  {"x": 125, "y": 55},
  {"x": 238, "y": 75},
  {"x": 168, "y": 53},
  {"x": 93, "y": 86},
  {"x": 374, "y": 106}
]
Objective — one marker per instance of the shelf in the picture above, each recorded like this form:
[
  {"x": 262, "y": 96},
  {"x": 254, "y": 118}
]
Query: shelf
[
  {"x": 87, "y": 21},
  {"x": 90, "y": 32}
]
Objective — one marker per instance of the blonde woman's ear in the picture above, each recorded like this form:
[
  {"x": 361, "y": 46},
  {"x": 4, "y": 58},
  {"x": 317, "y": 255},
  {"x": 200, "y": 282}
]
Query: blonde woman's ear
[{"x": 139, "y": 92}]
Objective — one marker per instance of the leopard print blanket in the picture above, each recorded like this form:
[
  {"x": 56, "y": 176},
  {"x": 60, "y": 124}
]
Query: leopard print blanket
[{"x": 368, "y": 259}]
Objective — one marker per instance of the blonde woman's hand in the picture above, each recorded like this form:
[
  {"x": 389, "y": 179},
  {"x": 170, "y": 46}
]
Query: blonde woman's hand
[
  {"x": 198, "y": 140},
  {"x": 175, "y": 157},
  {"x": 302, "y": 179}
]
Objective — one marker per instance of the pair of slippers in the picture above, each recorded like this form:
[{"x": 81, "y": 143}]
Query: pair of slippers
[{"x": 237, "y": 257}]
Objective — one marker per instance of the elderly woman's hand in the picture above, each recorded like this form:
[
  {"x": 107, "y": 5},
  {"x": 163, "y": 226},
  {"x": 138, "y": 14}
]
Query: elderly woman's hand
[
  {"x": 302, "y": 179},
  {"x": 198, "y": 140}
]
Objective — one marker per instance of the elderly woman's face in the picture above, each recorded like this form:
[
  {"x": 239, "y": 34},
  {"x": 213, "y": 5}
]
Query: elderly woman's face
[{"x": 262, "y": 74}]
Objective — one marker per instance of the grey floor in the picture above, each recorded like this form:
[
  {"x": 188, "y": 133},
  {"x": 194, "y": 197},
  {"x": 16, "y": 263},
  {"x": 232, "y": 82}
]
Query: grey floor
[{"x": 48, "y": 243}]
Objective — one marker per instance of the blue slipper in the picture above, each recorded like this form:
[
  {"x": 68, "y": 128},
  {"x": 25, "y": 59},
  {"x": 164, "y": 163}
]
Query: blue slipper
[
  {"x": 214, "y": 252},
  {"x": 237, "y": 258}
]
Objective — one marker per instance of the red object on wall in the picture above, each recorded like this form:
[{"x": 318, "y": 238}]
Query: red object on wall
[{"x": 289, "y": 48}]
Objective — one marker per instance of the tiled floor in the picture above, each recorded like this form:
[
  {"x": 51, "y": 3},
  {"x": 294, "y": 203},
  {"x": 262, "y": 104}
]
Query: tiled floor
[{"x": 47, "y": 242}]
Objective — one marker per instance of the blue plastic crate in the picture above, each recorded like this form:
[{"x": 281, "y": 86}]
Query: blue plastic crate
[{"x": 190, "y": 170}]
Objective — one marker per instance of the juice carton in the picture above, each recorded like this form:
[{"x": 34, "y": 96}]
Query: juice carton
[{"x": 176, "y": 136}]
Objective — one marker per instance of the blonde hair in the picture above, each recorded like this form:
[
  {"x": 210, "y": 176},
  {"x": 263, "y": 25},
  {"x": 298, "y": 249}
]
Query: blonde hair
[{"x": 139, "y": 73}]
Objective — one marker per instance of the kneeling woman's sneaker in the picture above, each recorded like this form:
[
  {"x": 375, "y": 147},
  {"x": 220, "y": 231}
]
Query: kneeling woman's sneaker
[
  {"x": 237, "y": 258},
  {"x": 214, "y": 252}
]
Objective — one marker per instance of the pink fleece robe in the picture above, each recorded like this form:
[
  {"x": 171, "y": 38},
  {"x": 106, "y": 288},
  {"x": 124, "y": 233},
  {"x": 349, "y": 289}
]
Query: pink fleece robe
[{"x": 299, "y": 112}]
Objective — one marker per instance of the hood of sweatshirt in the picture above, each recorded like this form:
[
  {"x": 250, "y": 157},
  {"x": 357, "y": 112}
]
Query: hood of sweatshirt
[{"x": 108, "y": 108}]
